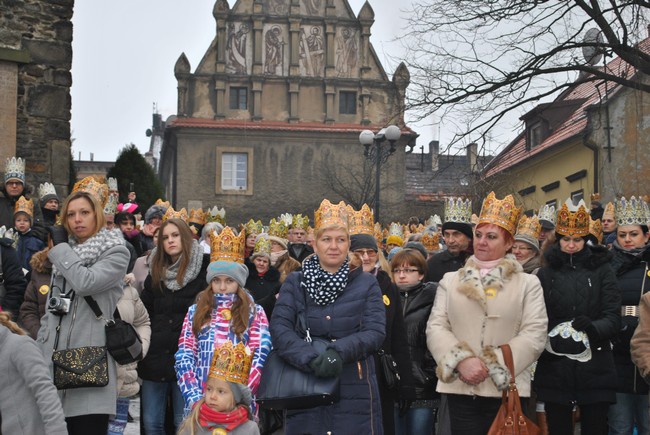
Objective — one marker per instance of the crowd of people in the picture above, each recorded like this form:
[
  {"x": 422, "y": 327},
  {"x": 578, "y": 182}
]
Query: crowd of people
[{"x": 412, "y": 316}]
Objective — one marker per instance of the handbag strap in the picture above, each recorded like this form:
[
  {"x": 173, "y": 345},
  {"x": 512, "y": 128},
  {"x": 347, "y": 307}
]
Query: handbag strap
[
  {"x": 301, "y": 318},
  {"x": 507, "y": 358},
  {"x": 95, "y": 307}
]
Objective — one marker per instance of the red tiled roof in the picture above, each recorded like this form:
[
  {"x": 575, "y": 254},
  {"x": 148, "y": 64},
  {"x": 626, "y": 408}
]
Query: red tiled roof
[
  {"x": 275, "y": 125},
  {"x": 573, "y": 126}
]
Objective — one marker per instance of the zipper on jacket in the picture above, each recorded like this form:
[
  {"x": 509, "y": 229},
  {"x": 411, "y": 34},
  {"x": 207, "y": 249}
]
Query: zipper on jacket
[
  {"x": 406, "y": 299},
  {"x": 372, "y": 417}
]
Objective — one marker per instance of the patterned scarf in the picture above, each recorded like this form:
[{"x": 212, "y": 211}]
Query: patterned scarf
[
  {"x": 192, "y": 271},
  {"x": 322, "y": 286},
  {"x": 90, "y": 250}
]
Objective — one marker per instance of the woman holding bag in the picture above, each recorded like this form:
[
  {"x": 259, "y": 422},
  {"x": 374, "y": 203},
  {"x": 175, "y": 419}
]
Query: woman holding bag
[
  {"x": 487, "y": 303},
  {"x": 88, "y": 260},
  {"x": 344, "y": 306}
]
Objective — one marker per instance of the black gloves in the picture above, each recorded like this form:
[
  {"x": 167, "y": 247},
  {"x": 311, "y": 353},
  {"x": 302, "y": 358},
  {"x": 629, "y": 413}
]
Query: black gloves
[
  {"x": 583, "y": 323},
  {"x": 328, "y": 364},
  {"x": 58, "y": 234}
]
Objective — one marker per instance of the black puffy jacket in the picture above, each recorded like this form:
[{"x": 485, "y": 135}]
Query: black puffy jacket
[
  {"x": 416, "y": 306},
  {"x": 263, "y": 288},
  {"x": 631, "y": 274},
  {"x": 442, "y": 263},
  {"x": 167, "y": 311},
  {"x": 575, "y": 285}
]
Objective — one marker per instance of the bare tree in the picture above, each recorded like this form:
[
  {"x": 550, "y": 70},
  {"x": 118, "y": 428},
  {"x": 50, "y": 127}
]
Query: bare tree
[
  {"x": 355, "y": 184},
  {"x": 473, "y": 62}
]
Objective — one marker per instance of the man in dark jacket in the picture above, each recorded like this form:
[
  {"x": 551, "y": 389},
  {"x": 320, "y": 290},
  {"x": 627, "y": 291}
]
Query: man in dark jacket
[
  {"x": 12, "y": 291},
  {"x": 14, "y": 187},
  {"x": 298, "y": 247}
]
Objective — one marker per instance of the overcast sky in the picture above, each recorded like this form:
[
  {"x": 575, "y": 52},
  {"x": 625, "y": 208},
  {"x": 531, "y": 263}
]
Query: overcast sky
[{"x": 123, "y": 62}]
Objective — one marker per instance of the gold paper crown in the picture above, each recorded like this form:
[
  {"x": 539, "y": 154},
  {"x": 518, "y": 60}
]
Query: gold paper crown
[
  {"x": 632, "y": 212},
  {"x": 24, "y": 205},
  {"x": 609, "y": 211},
  {"x": 216, "y": 214},
  {"x": 300, "y": 221},
  {"x": 596, "y": 229},
  {"x": 378, "y": 232},
  {"x": 474, "y": 219},
  {"x": 431, "y": 241},
  {"x": 572, "y": 223},
  {"x": 595, "y": 196},
  {"x": 329, "y": 214},
  {"x": 529, "y": 226},
  {"x": 173, "y": 214},
  {"x": 501, "y": 212},
  {"x": 226, "y": 246},
  {"x": 262, "y": 245},
  {"x": 91, "y": 186},
  {"x": 362, "y": 221},
  {"x": 547, "y": 213},
  {"x": 165, "y": 204},
  {"x": 278, "y": 228},
  {"x": 457, "y": 210},
  {"x": 231, "y": 363},
  {"x": 197, "y": 216},
  {"x": 253, "y": 227}
]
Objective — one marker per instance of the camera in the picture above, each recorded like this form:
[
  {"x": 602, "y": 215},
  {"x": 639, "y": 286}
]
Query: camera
[{"x": 59, "y": 305}]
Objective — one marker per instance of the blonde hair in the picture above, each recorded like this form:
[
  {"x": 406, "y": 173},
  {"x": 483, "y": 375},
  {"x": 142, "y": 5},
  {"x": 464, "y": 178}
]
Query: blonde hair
[
  {"x": 318, "y": 232},
  {"x": 98, "y": 209},
  {"x": 5, "y": 320}
]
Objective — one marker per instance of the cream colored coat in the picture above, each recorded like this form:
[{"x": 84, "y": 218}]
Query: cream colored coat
[
  {"x": 640, "y": 344},
  {"x": 473, "y": 316}
]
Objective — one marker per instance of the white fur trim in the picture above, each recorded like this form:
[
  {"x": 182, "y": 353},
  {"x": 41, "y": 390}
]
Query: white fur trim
[
  {"x": 446, "y": 370},
  {"x": 499, "y": 374}
]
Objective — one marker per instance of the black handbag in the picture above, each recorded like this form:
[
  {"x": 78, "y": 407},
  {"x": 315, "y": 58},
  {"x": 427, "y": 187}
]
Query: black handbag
[
  {"x": 122, "y": 340},
  {"x": 284, "y": 386},
  {"x": 389, "y": 369},
  {"x": 79, "y": 367}
]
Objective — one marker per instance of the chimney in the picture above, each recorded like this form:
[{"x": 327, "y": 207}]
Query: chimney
[
  {"x": 472, "y": 150},
  {"x": 434, "y": 150},
  {"x": 92, "y": 157}
]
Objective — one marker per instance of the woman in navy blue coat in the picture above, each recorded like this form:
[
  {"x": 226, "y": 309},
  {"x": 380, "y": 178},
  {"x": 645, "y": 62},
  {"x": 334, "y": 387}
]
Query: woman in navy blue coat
[{"x": 344, "y": 306}]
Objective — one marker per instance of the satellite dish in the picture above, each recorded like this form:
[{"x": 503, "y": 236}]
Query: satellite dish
[{"x": 593, "y": 52}]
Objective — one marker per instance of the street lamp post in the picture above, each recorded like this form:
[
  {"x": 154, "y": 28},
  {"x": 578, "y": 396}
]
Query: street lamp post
[{"x": 391, "y": 134}]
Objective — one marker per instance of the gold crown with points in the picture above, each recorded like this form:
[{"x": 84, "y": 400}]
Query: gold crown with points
[
  {"x": 226, "y": 246},
  {"x": 278, "y": 228},
  {"x": 231, "y": 363},
  {"x": 216, "y": 214},
  {"x": 458, "y": 210},
  {"x": 362, "y": 221},
  {"x": 300, "y": 221},
  {"x": 24, "y": 205},
  {"x": 529, "y": 226},
  {"x": 94, "y": 188},
  {"x": 197, "y": 216},
  {"x": 595, "y": 196},
  {"x": 262, "y": 245},
  {"x": 378, "y": 232},
  {"x": 609, "y": 211},
  {"x": 253, "y": 227},
  {"x": 430, "y": 240},
  {"x": 633, "y": 211},
  {"x": 596, "y": 229},
  {"x": 572, "y": 223},
  {"x": 501, "y": 212},
  {"x": 165, "y": 204},
  {"x": 329, "y": 214},
  {"x": 181, "y": 214}
]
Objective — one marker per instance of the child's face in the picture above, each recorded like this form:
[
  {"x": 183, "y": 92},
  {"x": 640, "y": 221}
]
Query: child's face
[
  {"x": 127, "y": 226},
  {"x": 22, "y": 223},
  {"x": 223, "y": 284},
  {"x": 218, "y": 395}
]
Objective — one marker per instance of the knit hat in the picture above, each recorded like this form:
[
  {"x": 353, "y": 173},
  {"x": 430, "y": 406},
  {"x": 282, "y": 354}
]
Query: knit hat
[
  {"x": 155, "y": 211},
  {"x": 458, "y": 226},
  {"x": 417, "y": 246},
  {"x": 241, "y": 393},
  {"x": 46, "y": 192},
  {"x": 363, "y": 241},
  {"x": 236, "y": 271}
]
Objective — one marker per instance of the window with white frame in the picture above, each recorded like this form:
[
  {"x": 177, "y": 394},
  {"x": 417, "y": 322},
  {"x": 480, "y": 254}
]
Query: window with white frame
[{"x": 234, "y": 171}]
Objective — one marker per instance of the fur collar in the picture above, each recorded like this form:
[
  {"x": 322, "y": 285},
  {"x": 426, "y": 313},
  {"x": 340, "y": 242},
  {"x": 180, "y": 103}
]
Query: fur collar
[
  {"x": 473, "y": 286},
  {"x": 40, "y": 263}
]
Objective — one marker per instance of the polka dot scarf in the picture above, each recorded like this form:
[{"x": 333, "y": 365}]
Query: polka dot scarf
[{"x": 322, "y": 286}]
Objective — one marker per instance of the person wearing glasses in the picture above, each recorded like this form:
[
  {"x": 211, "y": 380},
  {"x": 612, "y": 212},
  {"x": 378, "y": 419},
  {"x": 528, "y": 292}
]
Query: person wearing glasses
[
  {"x": 14, "y": 187},
  {"x": 526, "y": 246},
  {"x": 416, "y": 414},
  {"x": 487, "y": 303}
]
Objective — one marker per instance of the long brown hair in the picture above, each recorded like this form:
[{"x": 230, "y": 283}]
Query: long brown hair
[
  {"x": 5, "y": 320},
  {"x": 161, "y": 260},
  {"x": 240, "y": 311}
]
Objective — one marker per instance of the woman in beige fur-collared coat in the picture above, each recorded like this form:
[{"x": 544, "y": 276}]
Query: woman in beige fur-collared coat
[{"x": 487, "y": 303}]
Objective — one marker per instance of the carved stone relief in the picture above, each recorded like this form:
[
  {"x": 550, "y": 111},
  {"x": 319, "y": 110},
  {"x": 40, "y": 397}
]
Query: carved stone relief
[
  {"x": 276, "y": 50},
  {"x": 312, "y": 51},
  {"x": 239, "y": 50},
  {"x": 347, "y": 52}
]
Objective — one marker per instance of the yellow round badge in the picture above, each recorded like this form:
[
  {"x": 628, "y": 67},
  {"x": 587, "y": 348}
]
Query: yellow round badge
[
  {"x": 226, "y": 314},
  {"x": 490, "y": 293},
  {"x": 386, "y": 300},
  {"x": 44, "y": 289},
  {"x": 219, "y": 431}
]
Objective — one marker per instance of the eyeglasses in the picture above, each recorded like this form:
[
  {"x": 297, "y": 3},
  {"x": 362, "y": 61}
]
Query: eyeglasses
[
  {"x": 398, "y": 271},
  {"x": 14, "y": 183},
  {"x": 368, "y": 252}
]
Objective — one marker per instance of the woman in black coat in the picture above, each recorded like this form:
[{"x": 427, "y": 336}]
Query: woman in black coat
[
  {"x": 631, "y": 256},
  {"x": 177, "y": 275},
  {"x": 583, "y": 305},
  {"x": 263, "y": 280},
  {"x": 395, "y": 345}
]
